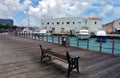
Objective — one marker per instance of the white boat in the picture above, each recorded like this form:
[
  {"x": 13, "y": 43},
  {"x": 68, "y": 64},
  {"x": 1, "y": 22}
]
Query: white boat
[
  {"x": 43, "y": 31},
  {"x": 83, "y": 34},
  {"x": 101, "y": 35},
  {"x": 26, "y": 30}
]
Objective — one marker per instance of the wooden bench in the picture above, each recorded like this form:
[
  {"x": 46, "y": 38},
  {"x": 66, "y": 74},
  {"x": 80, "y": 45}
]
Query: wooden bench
[{"x": 72, "y": 62}]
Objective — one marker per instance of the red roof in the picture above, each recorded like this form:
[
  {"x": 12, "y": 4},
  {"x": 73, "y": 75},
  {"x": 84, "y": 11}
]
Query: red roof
[{"x": 94, "y": 18}]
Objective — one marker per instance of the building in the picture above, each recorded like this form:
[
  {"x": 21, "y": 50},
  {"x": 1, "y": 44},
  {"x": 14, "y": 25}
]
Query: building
[
  {"x": 108, "y": 27},
  {"x": 6, "y": 22},
  {"x": 71, "y": 25},
  {"x": 94, "y": 24},
  {"x": 113, "y": 27}
]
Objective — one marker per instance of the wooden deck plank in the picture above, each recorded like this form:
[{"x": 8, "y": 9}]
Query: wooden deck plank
[{"x": 19, "y": 57}]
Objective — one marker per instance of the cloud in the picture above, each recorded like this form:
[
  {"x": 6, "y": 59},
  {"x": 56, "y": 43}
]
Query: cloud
[
  {"x": 72, "y": 8},
  {"x": 39, "y": 9},
  {"x": 61, "y": 8},
  {"x": 107, "y": 10},
  {"x": 10, "y": 7}
]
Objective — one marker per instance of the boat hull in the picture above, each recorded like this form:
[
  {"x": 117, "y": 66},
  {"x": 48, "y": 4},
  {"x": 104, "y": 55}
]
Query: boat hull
[
  {"x": 83, "y": 36},
  {"x": 102, "y": 38}
]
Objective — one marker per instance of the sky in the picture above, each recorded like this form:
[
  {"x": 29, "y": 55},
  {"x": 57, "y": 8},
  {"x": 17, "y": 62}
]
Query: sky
[{"x": 22, "y": 11}]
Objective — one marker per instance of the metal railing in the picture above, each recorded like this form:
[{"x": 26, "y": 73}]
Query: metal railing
[{"x": 111, "y": 46}]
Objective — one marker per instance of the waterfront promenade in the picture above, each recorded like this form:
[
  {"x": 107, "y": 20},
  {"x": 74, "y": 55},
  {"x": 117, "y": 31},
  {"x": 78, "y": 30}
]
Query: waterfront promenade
[{"x": 19, "y": 58}]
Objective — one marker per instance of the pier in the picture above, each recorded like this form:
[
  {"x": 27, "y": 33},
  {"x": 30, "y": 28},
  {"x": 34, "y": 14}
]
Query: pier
[
  {"x": 117, "y": 36},
  {"x": 20, "y": 58}
]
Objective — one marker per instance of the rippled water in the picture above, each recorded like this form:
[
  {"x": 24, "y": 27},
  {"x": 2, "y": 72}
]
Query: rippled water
[{"x": 92, "y": 44}]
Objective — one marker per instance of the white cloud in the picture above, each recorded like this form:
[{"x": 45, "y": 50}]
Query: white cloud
[
  {"x": 8, "y": 8},
  {"x": 30, "y": 21},
  {"x": 107, "y": 10},
  {"x": 59, "y": 8}
]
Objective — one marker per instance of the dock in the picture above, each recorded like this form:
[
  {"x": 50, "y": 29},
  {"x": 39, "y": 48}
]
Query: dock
[
  {"x": 113, "y": 36},
  {"x": 20, "y": 58}
]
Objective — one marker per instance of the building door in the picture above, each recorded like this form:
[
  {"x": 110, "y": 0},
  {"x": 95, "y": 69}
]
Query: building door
[
  {"x": 72, "y": 32},
  {"x": 62, "y": 30},
  {"x": 53, "y": 30}
]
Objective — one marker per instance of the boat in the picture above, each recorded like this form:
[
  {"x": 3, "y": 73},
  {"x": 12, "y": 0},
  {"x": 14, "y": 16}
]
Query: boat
[
  {"x": 42, "y": 31},
  {"x": 101, "y": 35},
  {"x": 83, "y": 34},
  {"x": 26, "y": 30}
]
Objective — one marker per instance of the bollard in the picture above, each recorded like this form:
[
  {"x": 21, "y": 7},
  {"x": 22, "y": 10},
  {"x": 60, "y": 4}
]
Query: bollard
[
  {"x": 113, "y": 43},
  {"x": 58, "y": 39},
  {"x": 38, "y": 36},
  {"x": 29, "y": 36},
  {"x": 101, "y": 45},
  {"x": 87, "y": 44},
  {"x": 32, "y": 36},
  {"x": 42, "y": 37},
  {"x": 52, "y": 39},
  {"x": 78, "y": 42},
  {"x": 24, "y": 34},
  {"x": 21, "y": 34},
  {"x": 47, "y": 38},
  {"x": 35, "y": 36}
]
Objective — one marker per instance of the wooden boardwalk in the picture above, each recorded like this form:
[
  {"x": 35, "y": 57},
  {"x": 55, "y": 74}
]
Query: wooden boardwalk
[{"x": 19, "y": 58}]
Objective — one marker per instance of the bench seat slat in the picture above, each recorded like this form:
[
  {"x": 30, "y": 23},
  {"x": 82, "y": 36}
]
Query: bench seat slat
[{"x": 58, "y": 55}]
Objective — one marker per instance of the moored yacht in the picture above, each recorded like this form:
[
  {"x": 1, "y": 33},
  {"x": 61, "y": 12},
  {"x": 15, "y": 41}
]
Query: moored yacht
[
  {"x": 83, "y": 34},
  {"x": 42, "y": 31},
  {"x": 101, "y": 35}
]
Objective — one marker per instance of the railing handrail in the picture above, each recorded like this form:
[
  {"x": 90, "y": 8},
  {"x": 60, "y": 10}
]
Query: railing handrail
[{"x": 58, "y": 41}]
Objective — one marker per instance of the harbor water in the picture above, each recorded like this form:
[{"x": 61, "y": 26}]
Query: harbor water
[{"x": 90, "y": 44}]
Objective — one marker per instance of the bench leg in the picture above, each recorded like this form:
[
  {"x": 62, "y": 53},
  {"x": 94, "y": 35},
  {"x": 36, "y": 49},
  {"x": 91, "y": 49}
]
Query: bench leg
[
  {"x": 73, "y": 64},
  {"x": 69, "y": 70},
  {"x": 43, "y": 55},
  {"x": 77, "y": 65}
]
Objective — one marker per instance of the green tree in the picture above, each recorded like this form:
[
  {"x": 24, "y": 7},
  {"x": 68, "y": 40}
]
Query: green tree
[{"x": 14, "y": 27}]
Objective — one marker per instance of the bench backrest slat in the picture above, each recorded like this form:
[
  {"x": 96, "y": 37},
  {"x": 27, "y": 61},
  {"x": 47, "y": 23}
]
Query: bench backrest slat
[{"x": 61, "y": 56}]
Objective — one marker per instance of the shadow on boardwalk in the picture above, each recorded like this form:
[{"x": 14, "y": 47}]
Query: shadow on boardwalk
[{"x": 19, "y": 58}]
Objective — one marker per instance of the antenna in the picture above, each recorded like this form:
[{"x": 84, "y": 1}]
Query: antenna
[{"x": 28, "y": 16}]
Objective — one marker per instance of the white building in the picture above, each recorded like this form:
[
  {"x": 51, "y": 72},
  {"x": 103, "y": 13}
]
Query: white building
[
  {"x": 94, "y": 24},
  {"x": 70, "y": 25}
]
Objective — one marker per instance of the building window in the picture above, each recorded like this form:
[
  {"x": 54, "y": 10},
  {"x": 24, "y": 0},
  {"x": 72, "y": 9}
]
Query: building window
[
  {"x": 42, "y": 23},
  {"x": 57, "y": 23},
  {"x": 95, "y": 22},
  {"x": 47, "y": 23},
  {"x": 79, "y": 22},
  {"x": 52, "y": 23},
  {"x": 68, "y": 22},
  {"x": 62, "y": 22},
  {"x": 53, "y": 28},
  {"x": 73, "y": 22},
  {"x": 119, "y": 23}
]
